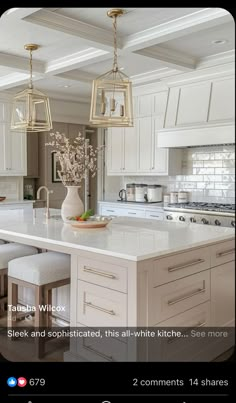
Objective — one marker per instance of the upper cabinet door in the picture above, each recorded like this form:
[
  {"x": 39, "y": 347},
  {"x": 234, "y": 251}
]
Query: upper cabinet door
[
  {"x": 144, "y": 105},
  {"x": 5, "y": 111},
  {"x": 145, "y": 145},
  {"x": 18, "y": 153},
  {"x": 222, "y": 105},
  {"x": 193, "y": 104},
  {"x": 115, "y": 147},
  {"x": 3, "y": 166},
  {"x": 130, "y": 149}
]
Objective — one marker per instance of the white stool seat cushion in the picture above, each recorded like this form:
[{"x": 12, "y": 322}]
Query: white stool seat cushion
[
  {"x": 9, "y": 251},
  {"x": 41, "y": 269}
]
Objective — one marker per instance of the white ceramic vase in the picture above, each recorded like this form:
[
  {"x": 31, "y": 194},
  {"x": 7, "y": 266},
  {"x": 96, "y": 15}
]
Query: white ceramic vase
[{"x": 72, "y": 205}]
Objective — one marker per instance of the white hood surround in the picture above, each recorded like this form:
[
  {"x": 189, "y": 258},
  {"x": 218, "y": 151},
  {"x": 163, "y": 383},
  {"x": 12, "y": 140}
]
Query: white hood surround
[{"x": 196, "y": 136}]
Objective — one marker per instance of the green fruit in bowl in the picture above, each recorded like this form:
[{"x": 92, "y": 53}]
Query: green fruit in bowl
[{"x": 83, "y": 217}]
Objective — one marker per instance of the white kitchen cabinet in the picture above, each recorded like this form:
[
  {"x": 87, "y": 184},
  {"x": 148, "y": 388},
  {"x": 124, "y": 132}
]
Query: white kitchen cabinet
[
  {"x": 223, "y": 294},
  {"x": 144, "y": 105},
  {"x": 145, "y": 145},
  {"x": 222, "y": 105},
  {"x": 13, "y": 151},
  {"x": 121, "y": 152}
]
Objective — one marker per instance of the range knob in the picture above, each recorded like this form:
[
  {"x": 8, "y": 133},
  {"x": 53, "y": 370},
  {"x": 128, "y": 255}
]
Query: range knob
[
  {"x": 204, "y": 221},
  {"x": 233, "y": 223},
  {"x": 169, "y": 217},
  {"x": 217, "y": 222},
  {"x": 181, "y": 218},
  {"x": 192, "y": 219}
]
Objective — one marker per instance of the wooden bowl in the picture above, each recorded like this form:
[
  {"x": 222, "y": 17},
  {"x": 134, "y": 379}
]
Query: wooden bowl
[{"x": 2, "y": 198}]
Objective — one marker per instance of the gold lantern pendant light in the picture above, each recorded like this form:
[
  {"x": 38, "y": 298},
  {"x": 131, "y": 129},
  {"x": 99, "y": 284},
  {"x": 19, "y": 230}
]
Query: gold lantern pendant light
[
  {"x": 111, "y": 103},
  {"x": 31, "y": 109}
]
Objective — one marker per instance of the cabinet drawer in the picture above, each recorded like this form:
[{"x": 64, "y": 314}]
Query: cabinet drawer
[
  {"x": 113, "y": 211},
  {"x": 134, "y": 213},
  {"x": 183, "y": 348},
  {"x": 102, "y": 273},
  {"x": 102, "y": 349},
  {"x": 99, "y": 306},
  {"x": 180, "y": 265},
  {"x": 180, "y": 295},
  {"x": 222, "y": 253},
  {"x": 154, "y": 215}
]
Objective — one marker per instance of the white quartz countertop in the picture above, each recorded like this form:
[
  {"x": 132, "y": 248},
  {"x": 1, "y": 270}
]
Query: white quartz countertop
[
  {"x": 128, "y": 238},
  {"x": 133, "y": 204},
  {"x": 10, "y": 201}
]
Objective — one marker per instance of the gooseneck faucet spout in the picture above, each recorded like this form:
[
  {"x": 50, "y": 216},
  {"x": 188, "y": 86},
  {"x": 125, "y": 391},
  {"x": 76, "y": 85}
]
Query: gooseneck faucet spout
[{"x": 48, "y": 192}]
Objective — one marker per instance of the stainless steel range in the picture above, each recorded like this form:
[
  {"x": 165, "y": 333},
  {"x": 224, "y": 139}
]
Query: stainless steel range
[{"x": 202, "y": 213}]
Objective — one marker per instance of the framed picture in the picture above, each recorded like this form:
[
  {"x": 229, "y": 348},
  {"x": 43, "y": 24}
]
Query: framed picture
[{"x": 55, "y": 167}]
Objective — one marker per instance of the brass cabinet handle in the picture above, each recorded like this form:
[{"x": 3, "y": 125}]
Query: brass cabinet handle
[
  {"x": 173, "y": 339},
  {"x": 198, "y": 291},
  {"x": 99, "y": 273},
  {"x": 99, "y": 308},
  {"x": 183, "y": 266},
  {"x": 92, "y": 350},
  {"x": 226, "y": 252}
]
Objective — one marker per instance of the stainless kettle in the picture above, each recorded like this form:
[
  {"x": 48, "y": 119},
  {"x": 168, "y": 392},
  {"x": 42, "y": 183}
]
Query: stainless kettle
[{"x": 122, "y": 194}]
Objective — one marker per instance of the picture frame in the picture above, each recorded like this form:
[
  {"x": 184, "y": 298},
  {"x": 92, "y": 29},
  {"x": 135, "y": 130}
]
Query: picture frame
[{"x": 55, "y": 167}]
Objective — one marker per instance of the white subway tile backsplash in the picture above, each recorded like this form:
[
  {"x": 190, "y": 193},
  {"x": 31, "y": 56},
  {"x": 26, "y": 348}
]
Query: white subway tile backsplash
[
  {"x": 215, "y": 163},
  {"x": 228, "y": 163},
  {"x": 208, "y": 174},
  {"x": 224, "y": 170}
]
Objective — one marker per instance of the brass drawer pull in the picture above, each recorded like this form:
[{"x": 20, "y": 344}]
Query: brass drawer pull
[
  {"x": 198, "y": 291},
  {"x": 183, "y": 266},
  {"x": 226, "y": 252},
  {"x": 99, "y": 273},
  {"x": 199, "y": 324},
  {"x": 92, "y": 350},
  {"x": 99, "y": 308}
]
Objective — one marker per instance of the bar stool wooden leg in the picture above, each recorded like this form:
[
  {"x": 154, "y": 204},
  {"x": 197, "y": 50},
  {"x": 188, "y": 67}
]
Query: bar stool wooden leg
[
  {"x": 12, "y": 300},
  {"x": 48, "y": 302},
  {"x": 3, "y": 290},
  {"x": 39, "y": 320}
]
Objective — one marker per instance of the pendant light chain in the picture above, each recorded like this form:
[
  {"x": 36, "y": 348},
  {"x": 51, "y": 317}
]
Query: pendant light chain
[
  {"x": 115, "y": 65},
  {"x": 31, "y": 69}
]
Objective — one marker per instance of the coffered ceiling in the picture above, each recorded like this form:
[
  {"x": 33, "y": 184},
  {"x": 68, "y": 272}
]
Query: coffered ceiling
[{"x": 76, "y": 45}]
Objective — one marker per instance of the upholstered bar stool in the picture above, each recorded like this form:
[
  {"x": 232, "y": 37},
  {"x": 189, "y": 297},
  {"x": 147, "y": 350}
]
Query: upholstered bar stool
[
  {"x": 42, "y": 272},
  {"x": 9, "y": 251}
]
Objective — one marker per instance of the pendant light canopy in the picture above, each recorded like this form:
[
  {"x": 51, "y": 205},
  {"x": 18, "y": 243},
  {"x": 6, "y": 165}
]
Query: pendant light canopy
[
  {"x": 111, "y": 103},
  {"x": 31, "y": 109}
]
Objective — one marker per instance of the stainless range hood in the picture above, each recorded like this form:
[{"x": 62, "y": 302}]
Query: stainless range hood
[{"x": 192, "y": 136}]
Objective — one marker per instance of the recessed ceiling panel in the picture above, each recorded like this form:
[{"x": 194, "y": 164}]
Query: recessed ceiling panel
[{"x": 136, "y": 19}]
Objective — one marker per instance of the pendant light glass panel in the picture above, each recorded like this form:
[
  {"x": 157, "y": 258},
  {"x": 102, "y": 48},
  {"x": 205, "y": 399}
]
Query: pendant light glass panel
[
  {"x": 31, "y": 109},
  {"x": 111, "y": 103}
]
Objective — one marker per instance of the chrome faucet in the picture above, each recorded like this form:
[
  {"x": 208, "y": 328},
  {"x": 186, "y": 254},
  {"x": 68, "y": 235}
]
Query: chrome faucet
[{"x": 48, "y": 192}]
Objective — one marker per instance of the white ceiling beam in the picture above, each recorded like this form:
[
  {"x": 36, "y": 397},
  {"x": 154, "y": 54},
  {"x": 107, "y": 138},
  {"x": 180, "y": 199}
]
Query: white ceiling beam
[
  {"x": 170, "y": 58},
  {"x": 76, "y": 60},
  {"x": 77, "y": 75},
  {"x": 89, "y": 33},
  {"x": 20, "y": 63},
  {"x": 13, "y": 80},
  {"x": 16, "y": 13},
  {"x": 182, "y": 26}
]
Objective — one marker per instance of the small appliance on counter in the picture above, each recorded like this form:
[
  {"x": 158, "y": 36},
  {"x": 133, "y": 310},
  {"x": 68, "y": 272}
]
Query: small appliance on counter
[
  {"x": 154, "y": 193},
  {"x": 182, "y": 197},
  {"x": 130, "y": 192},
  {"x": 140, "y": 192},
  {"x": 122, "y": 195}
]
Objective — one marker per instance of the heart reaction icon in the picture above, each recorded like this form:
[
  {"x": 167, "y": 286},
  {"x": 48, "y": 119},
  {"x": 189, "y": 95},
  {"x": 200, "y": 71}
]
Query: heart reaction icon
[{"x": 21, "y": 382}]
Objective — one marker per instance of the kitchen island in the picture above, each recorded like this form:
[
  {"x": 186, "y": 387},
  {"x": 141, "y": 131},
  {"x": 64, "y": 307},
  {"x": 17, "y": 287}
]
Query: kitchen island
[{"x": 137, "y": 272}]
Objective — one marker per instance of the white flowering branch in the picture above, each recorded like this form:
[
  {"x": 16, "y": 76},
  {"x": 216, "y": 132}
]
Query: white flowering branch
[{"x": 75, "y": 158}]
